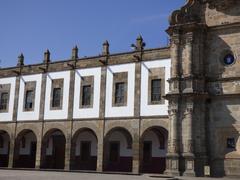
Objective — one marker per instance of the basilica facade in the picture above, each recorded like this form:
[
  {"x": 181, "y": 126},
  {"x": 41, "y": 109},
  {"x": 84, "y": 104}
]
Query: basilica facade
[{"x": 173, "y": 110}]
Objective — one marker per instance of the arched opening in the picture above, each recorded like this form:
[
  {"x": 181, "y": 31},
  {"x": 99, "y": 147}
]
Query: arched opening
[
  {"x": 4, "y": 148},
  {"x": 25, "y": 150},
  {"x": 84, "y": 150},
  {"x": 53, "y": 150},
  {"x": 118, "y": 150},
  {"x": 154, "y": 150}
]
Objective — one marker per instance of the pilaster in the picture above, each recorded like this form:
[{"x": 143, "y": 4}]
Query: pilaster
[
  {"x": 188, "y": 154},
  {"x": 172, "y": 167}
]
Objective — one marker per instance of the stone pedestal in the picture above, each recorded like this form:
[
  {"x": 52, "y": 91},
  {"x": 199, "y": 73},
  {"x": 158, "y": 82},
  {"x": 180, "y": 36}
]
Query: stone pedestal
[
  {"x": 172, "y": 164},
  {"x": 189, "y": 164}
]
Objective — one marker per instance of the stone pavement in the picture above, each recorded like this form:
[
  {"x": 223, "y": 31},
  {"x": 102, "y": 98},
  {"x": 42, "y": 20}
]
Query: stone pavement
[{"x": 53, "y": 175}]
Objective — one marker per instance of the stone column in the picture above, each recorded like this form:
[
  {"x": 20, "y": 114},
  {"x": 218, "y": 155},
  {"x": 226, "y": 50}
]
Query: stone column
[
  {"x": 38, "y": 152},
  {"x": 173, "y": 144},
  {"x": 136, "y": 160},
  {"x": 67, "y": 152},
  {"x": 189, "y": 145},
  {"x": 100, "y": 160},
  {"x": 70, "y": 121},
  {"x": 15, "y": 110},
  {"x": 175, "y": 48},
  {"x": 189, "y": 53},
  {"x": 100, "y": 153},
  {"x": 136, "y": 153},
  {"x": 11, "y": 150}
]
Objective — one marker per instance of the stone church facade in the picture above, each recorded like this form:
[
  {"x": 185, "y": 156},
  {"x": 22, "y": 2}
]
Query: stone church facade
[{"x": 172, "y": 110}]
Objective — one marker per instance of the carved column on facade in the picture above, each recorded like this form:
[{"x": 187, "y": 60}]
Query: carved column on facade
[
  {"x": 11, "y": 150},
  {"x": 100, "y": 157},
  {"x": 189, "y": 141},
  {"x": 175, "y": 65},
  {"x": 173, "y": 142}
]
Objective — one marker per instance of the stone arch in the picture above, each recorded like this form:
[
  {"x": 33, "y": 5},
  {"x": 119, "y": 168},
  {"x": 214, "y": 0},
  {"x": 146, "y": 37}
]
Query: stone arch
[
  {"x": 53, "y": 149},
  {"x": 84, "y": 149},
  {"x": 118, "y": 150},
  {"x": 153, "y": 149},
  {"x": 4, "y": 148},
  {"x": 28, "y": 127},
  {"x": 56, "y": 126},
  {"x": 25, "y": 149},
  {"x": 91, "y": 126}
]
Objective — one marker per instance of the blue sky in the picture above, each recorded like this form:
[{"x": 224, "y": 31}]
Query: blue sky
[{"x": 32, "y": 26}]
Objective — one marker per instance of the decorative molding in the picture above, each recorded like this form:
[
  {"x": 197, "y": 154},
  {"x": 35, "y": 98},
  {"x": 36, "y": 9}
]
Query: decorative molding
[{"x": 187, "y": 14}]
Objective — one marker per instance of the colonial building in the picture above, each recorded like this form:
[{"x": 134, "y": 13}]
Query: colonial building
[{"x": 172, "y": 110}]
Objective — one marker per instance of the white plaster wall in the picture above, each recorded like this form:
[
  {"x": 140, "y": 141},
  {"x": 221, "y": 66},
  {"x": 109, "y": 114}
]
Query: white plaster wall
[
  {"x": 118, "y": 136},
  {"x": 29, "y": 138},
  {"x": 8, "y": 116},
  {"x": 158, "y": 109},
  {"x": 87, "y": 112},
  {"x": 156, "y": 151},
  {"x": 62, "y": 113},
  {"x": 86, "y": 136},
  {"x": 4, "y": 149},
  {"x": 123, "y": 111},
  {"x": 29, "y": 115}
]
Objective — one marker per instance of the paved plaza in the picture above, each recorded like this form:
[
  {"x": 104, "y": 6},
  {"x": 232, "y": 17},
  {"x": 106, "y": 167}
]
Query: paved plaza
[{"x": 52, "y": 175}]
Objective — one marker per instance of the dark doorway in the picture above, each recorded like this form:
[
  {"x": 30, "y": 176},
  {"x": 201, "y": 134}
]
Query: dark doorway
[
  {"x": 85, "y": 151},
  {"x": 4, "y": 145},
  {"x": 118, "y": 150},
  {"x": 154, "y": 150},
  {"x": 53, "y": 150},
  {"x": 25, "y": 150},
  {"x": 147, "y": 151},
  {"x": 114, "y": 153}
]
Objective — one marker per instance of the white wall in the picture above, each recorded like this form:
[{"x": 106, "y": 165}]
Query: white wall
[
  {"x": 87, "y": 112},
  {"x": 29, "y": 115},
  {"x": 118, "y": 136},
  {"x": 8, "y": 116},
  {"x": 62, "y": 113},
  {"x": 86, "y": 136},
  {"x": 4, "y": 150},
  {"x": 122, "y": 111},
  {"x": 158, "y": 109},
  {"x": 29, "y": 137},
  {"x": 156, "y": 151}
]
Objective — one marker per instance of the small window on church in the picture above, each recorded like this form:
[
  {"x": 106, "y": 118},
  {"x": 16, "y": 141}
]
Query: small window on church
[
  {"x": 86, "y": 95},
  {"x": 56, "y": 100},
  {"x": 4, "y": 101},
  {"x": 231, "y": 144},
  {"x": 229, "y": 59},
  {"x": 29, "y": 100},
  {"x": 156, "y": 90},
  {"x": 119, "y": 92}
]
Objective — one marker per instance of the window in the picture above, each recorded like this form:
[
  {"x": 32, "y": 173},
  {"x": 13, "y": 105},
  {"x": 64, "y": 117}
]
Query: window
[
  {"x": 86, "y": 95},
  {"x": 4, "y": 101},
  {"x": 119, "y": 93},
  {"x": 29, "y": 99},
  {"x": 231, "y": 143},
  {"x": 156, "y": 90},
  {"x": 56, "y": 97},
  {"x": 228, "y": 59}
]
